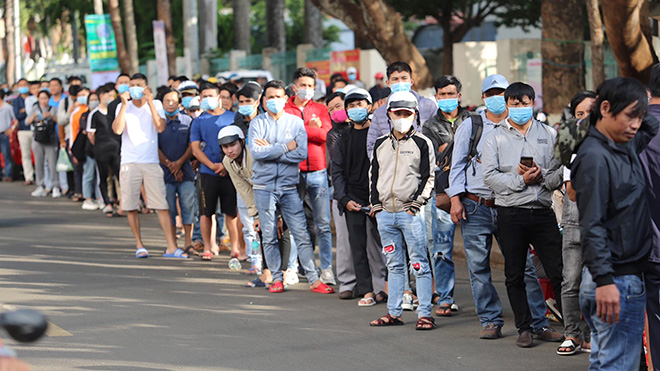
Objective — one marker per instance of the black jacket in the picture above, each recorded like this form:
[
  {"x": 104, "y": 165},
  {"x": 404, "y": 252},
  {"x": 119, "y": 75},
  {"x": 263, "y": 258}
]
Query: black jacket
[
  {"x": 441, "y": 131},
  {"x": 333, "y": 136},
  {"x": 615, "y": 223},
  {"x": 241, "y": 122}
]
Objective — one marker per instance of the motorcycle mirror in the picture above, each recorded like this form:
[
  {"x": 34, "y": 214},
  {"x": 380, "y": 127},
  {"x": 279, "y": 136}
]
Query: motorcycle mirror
[{"x": 24, "y": 325}]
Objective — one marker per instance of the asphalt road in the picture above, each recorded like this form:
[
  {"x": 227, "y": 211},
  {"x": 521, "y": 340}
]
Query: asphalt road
[{"x": 111, "y": 311}]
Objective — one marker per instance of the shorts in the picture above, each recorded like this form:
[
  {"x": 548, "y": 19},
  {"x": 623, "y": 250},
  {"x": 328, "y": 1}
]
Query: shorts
[
  {"x": 132, "y": 177},
  {"x": 186, "y": 196},
  {"x": 214, "y": 188}
]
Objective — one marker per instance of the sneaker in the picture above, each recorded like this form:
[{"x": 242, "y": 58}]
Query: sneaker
[
  {"x": 108, "y": 209},
  {"x": 100, "y": 204},
  {"x": 454, "y": 307},
  {"x": 89, "y": 205},
  {"x": 56, "y": 193},
  {"x": 39, "y": 192},
  {"x": 291, "y": 276},
  {"x": 548, "y": 334},
  {"x": 328, "y": 277},
  {"x": 525, "y": 339},
  {"x": 491, "y": 331},
  {"x": 407, "y": 302}
]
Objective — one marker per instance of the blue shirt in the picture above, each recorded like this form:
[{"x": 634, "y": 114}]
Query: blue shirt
[
  {"x": 18, "y": 104},
  {"x": 205, "y": 129},
  {"x": 174, "y": 142}
]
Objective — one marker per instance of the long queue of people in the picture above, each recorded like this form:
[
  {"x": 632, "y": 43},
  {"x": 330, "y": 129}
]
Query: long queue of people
[{"x": 275, "y": 164}]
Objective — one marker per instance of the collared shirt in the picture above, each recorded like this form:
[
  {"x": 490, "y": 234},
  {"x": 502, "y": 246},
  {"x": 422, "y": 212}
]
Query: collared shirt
[
  {"x": 174, "y": 142},
  {"x": 18, "y": 104},
  {"x": 6, "y": 117},
  {"x": 205, "y": 129}
]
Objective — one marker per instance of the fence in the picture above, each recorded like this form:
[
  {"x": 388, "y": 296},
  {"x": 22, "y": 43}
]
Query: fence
[
  {"x": 218, "y": 65},
  {"x": 251, "y": 62},
  {"x": 284, "y": 64}
]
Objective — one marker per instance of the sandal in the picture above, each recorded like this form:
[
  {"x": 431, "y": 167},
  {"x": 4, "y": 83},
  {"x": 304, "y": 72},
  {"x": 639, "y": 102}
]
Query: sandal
[
  {"x": 141, "y": 253},
  {"x": 257, "y": 282},
  {"x": 381, "y": 297},
  {"x": 207, "y": 256},
  {"x": 177, "y": 254},
  {"x": 190, "y": 251},
  {"x": 443, "y": 311},
  {"x": 435, "y": 298},
  {"x": 322, "y": 288},
  {"x": 425, "y": 323},
  {"x": 367, "y": 302},
  {"x": 568, "y": 347},
  {"x": 386, "y": 320}
]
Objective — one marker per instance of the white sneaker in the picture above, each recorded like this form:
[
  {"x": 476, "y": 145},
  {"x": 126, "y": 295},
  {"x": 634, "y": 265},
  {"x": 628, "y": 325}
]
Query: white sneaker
[
  {"x": 291, "y": 276},
  {"x": 100, "y": 204},
  {"x": 56, "y": 193},
  {"x": 89, "y": 205},
  {"x": 327, "y": 276},
  {"x": 407, "y": 302},
  {"x": 107, "y": 209},
  {"x": 39, "y": 192}
]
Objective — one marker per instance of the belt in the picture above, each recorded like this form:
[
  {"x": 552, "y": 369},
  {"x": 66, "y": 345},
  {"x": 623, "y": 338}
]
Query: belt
[{"x": 479, "y": 200}]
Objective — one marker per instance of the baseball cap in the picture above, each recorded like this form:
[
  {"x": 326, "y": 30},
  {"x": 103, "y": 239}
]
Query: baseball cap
[
  {"x": 493, "y": 82},
  {"x": 357, "y": 94},
  {"x": 402, "y": 100},
  {"x": 380, "y": 75},
  {"x": 230, "y": 134},
  {"x": 351, "y": 70},
  {"x": 194, "y": 104},
  {"x": 188, "y": 85}
]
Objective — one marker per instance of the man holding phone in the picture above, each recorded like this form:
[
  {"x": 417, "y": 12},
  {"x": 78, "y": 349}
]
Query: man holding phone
[{"x": 519, "y": 166}]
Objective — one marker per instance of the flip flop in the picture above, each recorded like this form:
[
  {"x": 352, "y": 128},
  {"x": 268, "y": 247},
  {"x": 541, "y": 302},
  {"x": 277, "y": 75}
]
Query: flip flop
[
  {"x": 367, "y": 302},
  {"x": 178, "y": 254},
  {"x": 190, "y": 251},
  {"x": 207, "y": 256},
  {"x": 443, "y": 311},
  {"x": 141, "y": 253},
  {"x": 257, "y": 282},
  {"x": 322, "y": 288}
]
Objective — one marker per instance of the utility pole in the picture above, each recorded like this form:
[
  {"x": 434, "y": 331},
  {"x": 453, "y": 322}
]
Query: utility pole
[
  {"x": 74, "y": 32},
  {"x": 191, "y": 36},
  {"x": 17, "y": 41},
  {"x": 98, "y": 6}
]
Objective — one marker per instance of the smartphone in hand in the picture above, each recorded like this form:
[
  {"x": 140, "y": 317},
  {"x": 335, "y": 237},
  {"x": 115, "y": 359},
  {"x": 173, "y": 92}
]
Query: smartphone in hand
[{"x": 527, "y": 161}]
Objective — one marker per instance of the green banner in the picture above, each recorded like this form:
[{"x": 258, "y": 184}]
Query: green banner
[{"x": 101, "y": 46}]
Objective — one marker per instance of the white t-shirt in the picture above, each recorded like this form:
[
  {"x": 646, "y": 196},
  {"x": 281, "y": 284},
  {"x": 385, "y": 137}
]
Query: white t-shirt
[
  {"x": 567, "y": 171},
  {"x": 139, "y": 141}
]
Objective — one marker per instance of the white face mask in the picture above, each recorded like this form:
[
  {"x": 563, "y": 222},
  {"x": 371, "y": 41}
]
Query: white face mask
[{"x": 402, "y": 125}]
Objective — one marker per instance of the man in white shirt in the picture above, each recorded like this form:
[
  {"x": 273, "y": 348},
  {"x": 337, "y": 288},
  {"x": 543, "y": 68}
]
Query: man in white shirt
[{"x": 138, "y": 122}]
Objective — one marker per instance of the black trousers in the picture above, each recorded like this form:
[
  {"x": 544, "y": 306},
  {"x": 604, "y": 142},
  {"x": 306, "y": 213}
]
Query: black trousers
[
  {"x": 518, "y": 229},
  {"x": 107, "y": 166},
  {"x": 361, "y": 231},
  {"x": 652, "y": 278}
]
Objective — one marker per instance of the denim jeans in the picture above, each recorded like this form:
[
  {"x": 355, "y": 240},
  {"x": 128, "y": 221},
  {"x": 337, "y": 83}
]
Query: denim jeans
[
  {"x": 478, "y": 230},
  {"x": 394, "y": 228},
  {"x": 89, "y": 183},
  {"x": 615, "y": 346},
  {"x": 290, "y": 206},
  {"x": 443, "y": 247},
  {"x": 5, "y": 149},
  {"x": 574, "y": 325},
  {"x": 316, "y": 184},
  {"x": 197, "y": 232},
  {"x": 186, "y": 192}
]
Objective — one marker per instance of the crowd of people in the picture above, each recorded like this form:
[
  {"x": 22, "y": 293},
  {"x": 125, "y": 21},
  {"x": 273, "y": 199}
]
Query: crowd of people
[{"x": 275, "y": 164}]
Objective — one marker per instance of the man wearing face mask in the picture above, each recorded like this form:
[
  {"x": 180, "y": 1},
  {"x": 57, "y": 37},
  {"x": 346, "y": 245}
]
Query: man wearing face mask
[
  {"x": 399, "y": 78},
  {"x": 138, "y": 122},
  {"x": 519, "y": 166},
  {"x": 121, "y": 86},
  {"x": 21, "y": 113},
  {"x": 188, "y": 90},
  {"x": 352, "y": 74},
  {"x": 402, "y": 179},
  {"x": 278, "y": 143},
  {"x": 379, "y": 90},
  {"x": 248, "y": 105},
  {"x": 215, "y": 184},
  {"x": 313, "y": 169}
]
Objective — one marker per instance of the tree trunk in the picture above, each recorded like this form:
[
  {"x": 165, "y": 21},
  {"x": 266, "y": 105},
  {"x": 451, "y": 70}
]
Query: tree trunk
[
  {"x": 275, "y": 24},
  {"x": 122, "y": 54},
  {"x": 9, "y": 37},
  {"x": 165, "y": 15},
  {"x": 379, "y": 22},
  {"x": 242, "y": 25},
  {"x": 447, "y": 51},
  {"x": 131, "y": 35},
  {"x": 632, "y": 50},
  {"x": 98, "y": 6},
  {"x": 562, "y": 49},
  {"x": 208, "y": 11},
  {"x": 191, "y": 36},
  {"x": 313, "y": 33},
  {"x": 597, "y": 37}
]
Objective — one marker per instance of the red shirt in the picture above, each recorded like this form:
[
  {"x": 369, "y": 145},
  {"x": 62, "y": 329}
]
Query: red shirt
[{"x": 316, "y": 137}]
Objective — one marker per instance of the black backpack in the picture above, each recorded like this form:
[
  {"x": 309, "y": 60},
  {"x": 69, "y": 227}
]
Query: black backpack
[
  {"x": 44, "y": 129},
  {"x": 444, "y": 164}
]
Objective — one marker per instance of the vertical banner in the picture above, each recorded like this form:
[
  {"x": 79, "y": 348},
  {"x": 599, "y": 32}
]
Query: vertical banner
[
  {"x": 161, "y": 52},
  {"x": 101, "y": 46},
  {"x": 322, "y": 69},
  {"x": 340, "y": 61}
]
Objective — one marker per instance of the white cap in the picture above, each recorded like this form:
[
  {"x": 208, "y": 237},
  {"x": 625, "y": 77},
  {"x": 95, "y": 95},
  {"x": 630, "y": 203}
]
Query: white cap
[
  {"x": 194, "y": 104},
  {"x": 402, "y": 100},
  {"x": 230, "y": 134},
  {"x": 351, "y": 70},
  {"x": 188, "y": 85}
]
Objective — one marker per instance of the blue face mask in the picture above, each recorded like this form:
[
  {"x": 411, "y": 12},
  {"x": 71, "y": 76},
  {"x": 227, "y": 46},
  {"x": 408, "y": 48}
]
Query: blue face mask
[
  {"x": 123, "y": 88},
  {"x": 521, "y": 115},
  {"x": 246, "y": 110},
  {"x": 358, "y": 114},
  {"x": 209, "y": 103},
  {"x": 185, "y": 101},
  {"x": 136, "y": 92},
  {"x": 352, "y": 76},
  {"x": 275, "y": 105},
  {"x": 448, "y": 105},
  {"x": 401, "y": 86},
  {"x": 495, "y": 104},
  {"x": 23, "y": 90},
  {"x": 82, "y": 100},
  {"x": 172, "y": 114}
]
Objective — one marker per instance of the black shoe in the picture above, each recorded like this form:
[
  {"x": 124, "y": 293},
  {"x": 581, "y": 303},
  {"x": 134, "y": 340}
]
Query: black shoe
[
  {"x": 525, "y": 339},
  {"x": 491, "y": 331},
  {"x": 346, "y": 295}
]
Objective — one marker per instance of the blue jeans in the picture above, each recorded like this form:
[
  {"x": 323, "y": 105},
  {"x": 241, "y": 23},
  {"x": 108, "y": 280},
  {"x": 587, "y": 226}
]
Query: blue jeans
[
  {"x": 186, "y": 192},
  {"x": 617, "y": 346},
  {"x": 290, "y": 206},
  {"x": 316, "y": 184},
  {"x": 6, "y": 154},
  {"x": 443, "y": 247},
  {"x": 89, "y": 178},
  {"x": 394, "y": 228},
  {"x": 478, "y": 230}
]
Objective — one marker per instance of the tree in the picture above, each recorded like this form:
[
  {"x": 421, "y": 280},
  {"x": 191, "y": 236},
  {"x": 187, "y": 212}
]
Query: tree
[
  {"x": 275, "y": 24},
  {"x": 625, "y": 21},
  {"x": 597, "y": 38},
  {"x": 313, "y": 25},
  {"x": 562, "y": 49},
  {"x": 131, "y": 35},
  {"x": 242, "y": 25},
  {"x": 165, "y": 15},
  {"x": 122, "y": 53}
]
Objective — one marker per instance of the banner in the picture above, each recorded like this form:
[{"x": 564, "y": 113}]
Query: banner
[
  {"x": 340, "y": 61},
  {"x": 322, "y": 69},
  {"x": 101, "y": 46},
  {"x": 161, "y": 52}
]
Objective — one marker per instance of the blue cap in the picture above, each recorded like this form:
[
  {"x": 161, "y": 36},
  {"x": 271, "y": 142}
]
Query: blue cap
[{"x": 494, "y": 82}]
